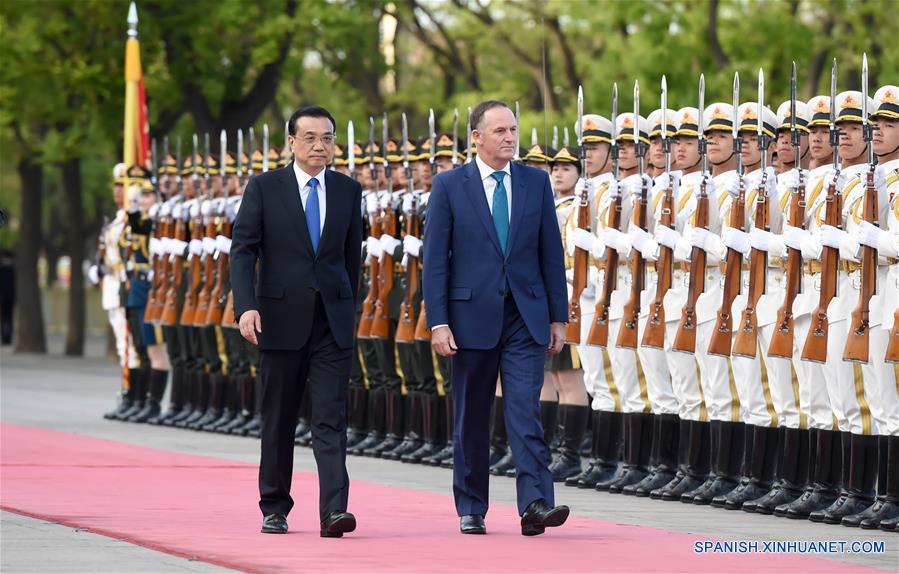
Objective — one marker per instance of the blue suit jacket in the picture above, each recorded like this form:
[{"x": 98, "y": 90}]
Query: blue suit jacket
[{"x": 466, "y": 273}]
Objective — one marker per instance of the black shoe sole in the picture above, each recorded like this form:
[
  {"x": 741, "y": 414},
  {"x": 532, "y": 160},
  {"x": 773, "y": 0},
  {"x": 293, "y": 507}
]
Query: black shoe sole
[{"x": 273, "y": 530}]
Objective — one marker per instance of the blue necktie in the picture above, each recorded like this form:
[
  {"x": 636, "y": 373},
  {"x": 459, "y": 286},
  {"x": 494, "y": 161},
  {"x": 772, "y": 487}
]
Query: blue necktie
[
  {"x": 312, "y": 215},
  {"x": 501, "y": 209}
]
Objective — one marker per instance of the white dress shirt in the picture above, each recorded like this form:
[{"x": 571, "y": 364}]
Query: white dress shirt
[
  {"x": 303, "y": 182},
  {"x": 490, "y": 183}
]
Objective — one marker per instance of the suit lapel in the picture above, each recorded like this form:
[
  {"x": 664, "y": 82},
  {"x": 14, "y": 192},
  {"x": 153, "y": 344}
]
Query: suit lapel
[
  {"x": 519, "y": 200},
  {"x": 475, "y": 189},
  {"x": 290, "y": 197}
]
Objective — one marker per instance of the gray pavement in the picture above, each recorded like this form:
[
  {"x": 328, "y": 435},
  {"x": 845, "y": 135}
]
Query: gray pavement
[{"x": 70, "y": 394}]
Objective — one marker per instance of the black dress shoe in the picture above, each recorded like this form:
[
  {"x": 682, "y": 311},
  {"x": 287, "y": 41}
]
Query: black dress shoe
[
  {"x": 337, "y": 523},
  {"x": 538, "y": 516},
  {"x": 274, "y": 524},
  {"x": 472, "y": 524}
]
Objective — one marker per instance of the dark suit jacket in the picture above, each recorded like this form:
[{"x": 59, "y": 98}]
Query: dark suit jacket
[
  {"x": 465, "y": 271},
  {"x": 270, "y": 229}
]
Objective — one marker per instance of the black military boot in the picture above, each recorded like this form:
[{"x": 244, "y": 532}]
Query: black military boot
[
  {"x": 823, "y": 478},
  {"x": 124, "y": 401},
  {"x": 609, "y": 464},
  {"x": 176, "y": 398},
  {"x": 699, "y": 459},
  {"x": 201, "y": 400},
  {"x": 444, "y": 458},
  {"x": 431, "y": 406},
  {"x": 356, "y": 420},
  {"x": 215, "y": 404},
  {"x": 665, "y": 439},
  {"x": 549, "y": 419},
  {"x": 682, "y": 460},
  {"x": 253, "y": 427},
  {"x": 844, "y": 442},
  {"x": 230, "y": 404},
  {"x": 862, "y": 476},
  {"x": 573, "y": 424},
  {"x": 730, "y": 462},
  {"x": 500, "y": 453},
  {"x": 158, "y": 381},
  {"x": 189, "y": 395},
  {"x": 761, "y": 452},
  {"x": 886, "y": 506},
  {"x": 413, "y": 417},
  {"x": 592, "y": 431},
  {"x": 792, "y": 473},
  {"x": 244, "y": 388},
  {"x": 393, "y": 437},
  {"x": 639, "y": 448},
  {"x": 139, "y": 382},
  {"x": 377, "y": 412}
]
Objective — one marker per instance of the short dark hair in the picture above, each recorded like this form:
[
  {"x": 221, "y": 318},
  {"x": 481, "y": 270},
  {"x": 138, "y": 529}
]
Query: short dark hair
[
  {"x": 477, "y": 114},
  {"x": 309, "y": 111}
]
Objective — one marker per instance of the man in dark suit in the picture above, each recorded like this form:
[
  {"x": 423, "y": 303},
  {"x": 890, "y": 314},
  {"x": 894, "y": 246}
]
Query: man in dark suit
[
  {"x": 494, "y": 286},
  {"x": 302, "y": 225}
]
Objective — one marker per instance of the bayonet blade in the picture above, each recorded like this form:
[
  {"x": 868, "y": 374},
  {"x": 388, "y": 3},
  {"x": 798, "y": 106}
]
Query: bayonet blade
[
  {"x": 454, "y": 160},
  {"x": 371, "y": 145},
  {"x": 432, "y": 136},
  {"x": 761, "y": 103},
  {"x": 239, "y": 153},
  {"x": 251, "y": 146},
  {"x": 615, "y": 114},
  {"x": 636, "y": 112},
  {"x": 468, "y": 138},
  {"x": 556, "y": 137},
  {"x": 793, "y": 103},
  {"x": 264, "y": 148},
  {"x": 351, "y": 148},
  {"x": 736, "y": 106},
  {"x": 701, "y": 129},
  {"x": 405, "y": 139},
  {"x": 664, "y": 108},
  {"x": 534, "y": 140},
  {"x": 517, "y": 131}
]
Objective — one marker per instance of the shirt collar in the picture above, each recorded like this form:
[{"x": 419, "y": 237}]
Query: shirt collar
[
  {"x": 487, "y": 171},
  {"x": 303, "y": 177}
]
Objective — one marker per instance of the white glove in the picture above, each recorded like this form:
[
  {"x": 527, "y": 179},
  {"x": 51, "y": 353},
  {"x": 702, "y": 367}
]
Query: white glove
[
  {"x": 762, "y": 240},
  {"x": 384, "y": 202},
  {"x": 133, "y": 201},
  {"x": 177, "y": 247},
  {"x": 223, "y": 244},
  {"x": 209, "y": 246},
  {"x": 754, "y": 181},
  {"x": 196, "y": 247},
  {"x": 236, "y": 207},
  {"x": 616, "y": 240},
  {"x": 93, "y": 274},
  {"x": 631, "y": 185},
  {"x": 150, "y": 275},
  {"x": 153, "y": 211},
  {"x": 582, "y": 238},
  {"x": 667, "y": 236},
  {"x": 206, "y": 208},
  {"x": 737, "y": 240},
  {"x": 831, "y": 236},
  {"x": 165, "y": 245},
  {"x": 868, "y": 234},
  {"x": 123, "y": 276},
  {"x": 389, "y": 244},
  {"x": 195, "y": 209},
  {"x": 699, "y": 237},
  {"x": 407, "y": 203},
  {"x": 374, "y": 247},
  {"x": 794, "y": 236},
  {"x": 642, "y": 241},
  {"x": 731, "y": 184},
  {"x": 412, "y": 246},
  {"x": 598, "y": 249},
  {"x": 166, "y": 209},
  {"x": 155, "y": 246},
  {"x": 178, "y": 211},
  {"x": 790, "y": 179},
  {"x": 371, "y": 203},
  {"x": 662, "y": 181}
]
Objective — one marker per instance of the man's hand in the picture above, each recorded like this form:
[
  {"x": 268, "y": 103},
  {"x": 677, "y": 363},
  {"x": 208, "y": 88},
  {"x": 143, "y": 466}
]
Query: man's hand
[
  {"x": 557, "y": 336},
  {"x": 443, "y": 342},
  {"x": 250, "y": 323}
]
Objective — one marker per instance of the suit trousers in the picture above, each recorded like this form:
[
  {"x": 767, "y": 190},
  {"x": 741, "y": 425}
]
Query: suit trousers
[
  {"x": 519, "y": 360},
  {"x": 325, "y": 367}
]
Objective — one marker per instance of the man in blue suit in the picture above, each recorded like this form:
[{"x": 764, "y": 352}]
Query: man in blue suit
[{"x": 494, "y": 287}]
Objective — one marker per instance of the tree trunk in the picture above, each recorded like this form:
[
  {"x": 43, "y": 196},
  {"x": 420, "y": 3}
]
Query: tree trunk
[
  {"x": 71, "y": 181},
  {"x": 31, "y": 335}
]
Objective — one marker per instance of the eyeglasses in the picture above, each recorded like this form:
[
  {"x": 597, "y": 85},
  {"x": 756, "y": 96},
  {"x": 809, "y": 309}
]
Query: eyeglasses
[{"x": 326, "y": 139}]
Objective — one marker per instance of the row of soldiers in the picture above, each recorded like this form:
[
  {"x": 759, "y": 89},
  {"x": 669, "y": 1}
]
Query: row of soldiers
[{"x": 735, "y": 394}]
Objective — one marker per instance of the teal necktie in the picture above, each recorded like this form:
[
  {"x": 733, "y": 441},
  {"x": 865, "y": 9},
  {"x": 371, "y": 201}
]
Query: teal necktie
[{"x": 501, "y": 209}]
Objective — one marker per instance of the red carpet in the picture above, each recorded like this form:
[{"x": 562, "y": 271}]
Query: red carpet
[{"x": 205, "y": 508}]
